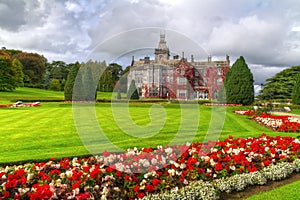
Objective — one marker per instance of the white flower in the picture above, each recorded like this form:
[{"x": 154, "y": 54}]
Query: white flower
[
  {"x": 171, "y": 172},
  {"x": 168, "y": 150},
  {"x": 29, "y": 177},
  {"x": 69, "y": 174}
]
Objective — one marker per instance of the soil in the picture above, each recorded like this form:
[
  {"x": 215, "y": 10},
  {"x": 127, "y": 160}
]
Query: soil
[{"x": 251, "y": 190}]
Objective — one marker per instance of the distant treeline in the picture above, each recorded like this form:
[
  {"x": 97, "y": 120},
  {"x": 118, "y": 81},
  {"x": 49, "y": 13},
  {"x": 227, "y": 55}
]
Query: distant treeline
[{"x": 18, "y": 68}]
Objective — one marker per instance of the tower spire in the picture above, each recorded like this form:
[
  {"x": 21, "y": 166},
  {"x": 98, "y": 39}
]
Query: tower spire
[{"x": 162, "y": 52}]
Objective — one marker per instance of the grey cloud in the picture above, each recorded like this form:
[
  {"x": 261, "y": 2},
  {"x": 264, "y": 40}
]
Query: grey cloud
[{"x": 12, "y": 13}]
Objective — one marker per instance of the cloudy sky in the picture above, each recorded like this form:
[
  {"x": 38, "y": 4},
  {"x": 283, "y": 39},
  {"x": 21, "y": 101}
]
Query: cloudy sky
[{"x": 265, "y": 32}]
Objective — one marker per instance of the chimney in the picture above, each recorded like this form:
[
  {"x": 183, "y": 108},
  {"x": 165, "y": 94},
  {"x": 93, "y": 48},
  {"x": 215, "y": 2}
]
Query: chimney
[
  {"x": 147, "y": 59},
  {"x": 209, "y": 59},
  {"x": 192, "y": 58}
]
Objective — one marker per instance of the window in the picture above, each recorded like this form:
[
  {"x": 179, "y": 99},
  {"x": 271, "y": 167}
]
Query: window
[
  {"x": 219, "y": 81},
  {"x": 181, "y": 93},
  {"x": 181, "y": 81},
  {"x": 219, "y": 71}
]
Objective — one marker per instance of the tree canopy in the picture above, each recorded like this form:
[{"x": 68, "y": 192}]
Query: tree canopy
[
  {"x": 296, "y": 90},
  {"x": 239, "y": 88},
  {"x": 11, "y": 74},
  {"x": 281, "y": 85}
]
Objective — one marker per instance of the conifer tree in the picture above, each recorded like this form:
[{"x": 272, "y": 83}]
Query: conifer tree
[
  {"x": 132, "y": 92},
  {"x": 296, "y": 91},
  {"x": 238, "y": 84},
  {"x": 68, "y": 91}
]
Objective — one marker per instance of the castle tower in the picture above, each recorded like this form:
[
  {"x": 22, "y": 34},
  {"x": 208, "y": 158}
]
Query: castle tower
[{"x": 162, "y": 52}]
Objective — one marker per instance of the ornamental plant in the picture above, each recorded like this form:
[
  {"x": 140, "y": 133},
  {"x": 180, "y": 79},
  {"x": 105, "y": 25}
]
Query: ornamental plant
[
  {"x": 149, "y": 171},
  {"x": 238, "y": 84}
]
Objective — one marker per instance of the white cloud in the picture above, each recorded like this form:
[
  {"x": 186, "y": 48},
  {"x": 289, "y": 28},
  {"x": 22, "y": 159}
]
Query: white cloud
[{"x": 265, "y": 32}]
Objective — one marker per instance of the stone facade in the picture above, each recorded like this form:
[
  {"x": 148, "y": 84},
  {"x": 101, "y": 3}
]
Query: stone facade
[{"x": 177, "y": 78}]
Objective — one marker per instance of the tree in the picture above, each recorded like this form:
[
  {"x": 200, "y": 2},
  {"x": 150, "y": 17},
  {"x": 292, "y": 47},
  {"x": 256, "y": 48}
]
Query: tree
[
  {"x": 132, "y": 92},
  {"x": 68, "y": 91},
  {"x": 17, "y": 73},
  {"x": 55, "y": 85},
  {"x": 281, "y": 85},
  {"x": 11, "y": 75},
  {"x": 238, "y": 84},
  {"x": 89, "y": 85},
  {"x": 296, "y": 91},
  {"x": 34, "y": 66}
]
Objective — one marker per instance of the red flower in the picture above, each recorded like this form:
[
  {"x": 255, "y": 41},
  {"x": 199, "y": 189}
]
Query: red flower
[
  {"x": 141, "y": 195},
  {"x": 149, "y": 188},
  {"x": 156, "y": 182},
  {"x": 218, "y": 167},
  {"x": 136, "y": 188}
]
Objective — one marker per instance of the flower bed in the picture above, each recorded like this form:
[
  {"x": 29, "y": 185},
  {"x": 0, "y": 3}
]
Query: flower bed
[
  {"x": 20, "y": 104},
  {"x": 222, "y": 104},
  {"x": 138, "y": 173},
  {"x": 278, "y": 123},
  {"x": 245, "y": 112}
]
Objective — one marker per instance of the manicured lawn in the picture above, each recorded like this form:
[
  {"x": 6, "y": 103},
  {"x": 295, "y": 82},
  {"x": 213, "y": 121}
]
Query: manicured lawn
[
  {"x": 49, "y": 130},
  {"x": 289, "y": 191},
  {"x": 34, "y": 94}
]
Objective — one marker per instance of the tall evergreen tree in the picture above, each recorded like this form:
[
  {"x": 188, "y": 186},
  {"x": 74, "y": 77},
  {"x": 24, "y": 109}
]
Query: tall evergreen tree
[
  {"x": 132, "y": 92},
  {"x": 296, "y": 91},
  {"x": 68, "y": 92},
  {"x": 238, "y": 84}
]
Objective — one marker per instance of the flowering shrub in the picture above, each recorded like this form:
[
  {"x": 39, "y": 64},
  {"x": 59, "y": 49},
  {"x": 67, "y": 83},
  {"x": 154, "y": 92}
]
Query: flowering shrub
[
  {"x": 222, "y": 104},
  {"x": 279, "y": 123},
  {"x": 245, "y": 112},
  {"x": 138, "y": 173}
]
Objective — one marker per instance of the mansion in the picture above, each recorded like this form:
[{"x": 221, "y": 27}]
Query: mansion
[{"x": 177, "y": 78}]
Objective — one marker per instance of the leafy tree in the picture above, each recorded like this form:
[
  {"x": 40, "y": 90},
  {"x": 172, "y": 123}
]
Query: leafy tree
[
  {"x": 132, "y": 92},
  {"x": 17, "y": 73},
  {"x": 296, "y": 91},
  {"x": 281, "y": 85},
  {"x": 34, "y": 66},
  {"x": 11, "y": 75},
  {"x": 106, "y": 82},
  {"x": 238, "y": 84},
  {"x": 55, "y": 85},
  {"x": 68, "y": 91}
]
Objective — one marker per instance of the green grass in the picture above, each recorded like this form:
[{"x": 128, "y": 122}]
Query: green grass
[
  {"x": 33, "y": 94},
  {"x": 289, "y": 191},
  {"x": 39, "y": 133},
  {"x": 49, "y": 131}
]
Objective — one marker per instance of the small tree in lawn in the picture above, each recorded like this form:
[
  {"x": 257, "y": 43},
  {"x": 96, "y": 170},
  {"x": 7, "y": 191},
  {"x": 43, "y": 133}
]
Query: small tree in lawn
[
  {"x": 296, "y": 91},
  {"x": 238, "y": 84},
  {"x": 132, "y": 92}
]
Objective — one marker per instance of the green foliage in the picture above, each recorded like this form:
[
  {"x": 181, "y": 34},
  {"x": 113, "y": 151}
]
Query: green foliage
[
  {"x": 110, "y": 77},
  {"x": 296, "y": 91},
  {"x": 34, "y": 66},
  {"x": 55, "y": 85},
  {"x": 132, "y": 92},
  {"x": 239, "y": 83},
  {"x": 281, "y": 85},
  {"x": 68, "y": 91},
  {"x": 18, "y": 76},
  {"x": 11, "y": 75}
]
